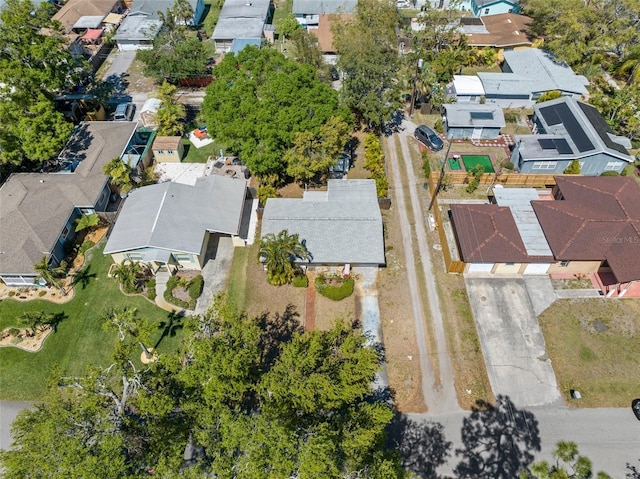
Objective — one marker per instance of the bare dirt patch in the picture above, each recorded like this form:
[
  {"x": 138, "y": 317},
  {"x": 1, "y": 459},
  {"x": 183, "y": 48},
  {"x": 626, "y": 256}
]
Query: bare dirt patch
[
  {"x": 24, "y": 339},
  {"x": 594, "y": 345},
  {"x": 328, "y": 311}
]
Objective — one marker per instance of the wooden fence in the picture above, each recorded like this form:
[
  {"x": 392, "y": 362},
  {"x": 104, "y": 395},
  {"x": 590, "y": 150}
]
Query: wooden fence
[{"x": 505, "y": 179}]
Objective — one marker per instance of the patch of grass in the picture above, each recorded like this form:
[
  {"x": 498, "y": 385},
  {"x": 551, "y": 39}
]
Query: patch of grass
[
  {"x": 594, "y": 346},
  {"x": 237, "y": 285},
  {"x": 79, "y": 340},
  {"x": 473, "y": 70},
  {"x": 200, "y": 155},
  {"x": 283, "y": 8},
  {"x": 211, "y": 14}
]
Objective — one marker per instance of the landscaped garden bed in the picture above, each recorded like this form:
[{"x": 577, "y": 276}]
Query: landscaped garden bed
[
  {"x": 184, "y": 289},
  {"x": 334, "y": 287}
]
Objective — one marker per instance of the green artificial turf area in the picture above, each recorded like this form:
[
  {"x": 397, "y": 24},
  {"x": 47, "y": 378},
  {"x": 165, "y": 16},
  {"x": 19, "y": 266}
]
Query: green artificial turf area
[
  {"x": 470, "y": 161},
  {"x": 80, "y": 339}
]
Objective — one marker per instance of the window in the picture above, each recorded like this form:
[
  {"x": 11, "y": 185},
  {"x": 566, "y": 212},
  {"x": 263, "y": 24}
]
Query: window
[
  {"x": 65, "y": 232},
  {"x": 564, "y": 264},
  {"x": 183, "y": 257},
  {"x": 509, "y": 264},
  {"x": 135, "y": 256},
  {"x": 486, "y": 11},
  {"x": 544, "y": 165},
  {"x": 613, "y": 166},
  {"x": 170, "y": 152},
  {"x": 161, "y": 152}
]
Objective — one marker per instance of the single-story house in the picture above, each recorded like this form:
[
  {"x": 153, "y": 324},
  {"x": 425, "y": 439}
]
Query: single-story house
[
  {"x": 171, "y": 224},
  {"x": 567, "y": 130},
  {"x": 240, "y": 20},
  {"x": 505, "y": 30},
  {"x": 308, "y": 12},
  {"x": 475, "y": 121},
  {"x": 465, "y": 89},
  {"x": 143, "y": 23},
  {"x": 38, "y": 210},
  {"x": 488, "y": 7},
  {"x": 71, "y": 13},
  {"x": 586, "y": 225},
  {"x": 340, "y": 226},
  {"x": 168, "y": 149}
]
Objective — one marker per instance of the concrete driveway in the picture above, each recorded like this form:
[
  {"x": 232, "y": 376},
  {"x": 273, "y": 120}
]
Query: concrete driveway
[
  {"x": 8, "y": 412},
  {"x": 514, "y": 351}
]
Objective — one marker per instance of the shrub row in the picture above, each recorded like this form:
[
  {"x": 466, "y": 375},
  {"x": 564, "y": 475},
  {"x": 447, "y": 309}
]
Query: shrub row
[
  {"x": 151, "y": 289},
  {"x": 195, "y": 287},
  {"x": 173, "y": 283},
  {"x": 335, "y": 293},
  {"x": 374, "y": 162}
]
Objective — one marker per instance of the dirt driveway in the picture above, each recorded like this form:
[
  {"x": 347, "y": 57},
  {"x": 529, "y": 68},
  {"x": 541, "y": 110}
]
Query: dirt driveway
[{"x": 511, "y": 338}]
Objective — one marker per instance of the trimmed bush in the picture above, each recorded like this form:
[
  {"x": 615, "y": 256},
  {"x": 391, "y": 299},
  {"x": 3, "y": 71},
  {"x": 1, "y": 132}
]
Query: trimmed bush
[
  {"x": 335, "y": 293},
  {"x": 438, "y": 126},
  {"x": 300, "y": 281},
  {"x": 151, "y": 289},
  {"x": 11, "y": 294},
  {"x": 507, "y": 165},
  {"x": 42, "y": 293},
  {"x": 85, "y": 246},
  {"x": 610, "y": 173},
  {"x": 195, "y": 287}
]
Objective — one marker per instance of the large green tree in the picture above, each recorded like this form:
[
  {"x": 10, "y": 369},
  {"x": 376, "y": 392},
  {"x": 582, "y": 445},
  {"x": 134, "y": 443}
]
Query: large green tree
[
  {"x": 35, "y": 64},
  {"x": 569, "y": 464},
  {"x": 259, "y": 100},
  {"x": 369, "y": 59}
]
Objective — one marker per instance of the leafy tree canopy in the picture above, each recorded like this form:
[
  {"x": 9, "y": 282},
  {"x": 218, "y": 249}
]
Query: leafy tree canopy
[
  {"x": 259, "y": 100},
  {"x": 569, "y": 465}
]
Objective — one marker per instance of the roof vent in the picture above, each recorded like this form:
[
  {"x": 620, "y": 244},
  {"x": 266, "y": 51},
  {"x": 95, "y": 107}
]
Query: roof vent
[
  {"x": 516, "y": 32},
  {"x": 41, "y": 181},
  {"x": 248, "y": 4},
  {"x": 508, "y": 20}
]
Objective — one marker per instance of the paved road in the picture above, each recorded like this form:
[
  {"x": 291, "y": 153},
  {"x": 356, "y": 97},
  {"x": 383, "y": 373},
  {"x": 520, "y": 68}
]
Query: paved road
[
  {"x": 512, "y": 342},
  {"x": 446, "y": 397},
  {"x": 8, "y": 412},
  {"x": 610, "y": 437},
  {"x": 121, "y": 61}
]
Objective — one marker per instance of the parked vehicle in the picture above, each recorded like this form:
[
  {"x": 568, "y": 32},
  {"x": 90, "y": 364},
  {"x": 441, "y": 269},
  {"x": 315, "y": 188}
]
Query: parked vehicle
[
  {"x": 124, "y": 112},
  {"x": 635, "y": 406},
  {"x": 428, "y": 137}
]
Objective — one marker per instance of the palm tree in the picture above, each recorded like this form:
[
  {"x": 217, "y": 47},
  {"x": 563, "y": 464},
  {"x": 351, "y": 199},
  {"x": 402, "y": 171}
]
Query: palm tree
[
  {"x": 130, "y": 274},
  {"x": 37, "y": 320},
  {"x": 51, "y": 274},
  {"x": 171, "y": 113},
  {"x": 120, "y": 173},
  {"x": 125, "y": 321},
  {"x": 279, "y": 253}
]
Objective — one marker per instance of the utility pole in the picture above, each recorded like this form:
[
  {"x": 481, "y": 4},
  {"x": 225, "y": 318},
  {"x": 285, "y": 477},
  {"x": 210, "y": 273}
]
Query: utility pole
[
  {"x": 415, "y": 80},
  {"x": 439, "y": 184}
]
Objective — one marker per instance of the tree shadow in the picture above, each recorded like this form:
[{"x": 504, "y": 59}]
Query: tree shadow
[
  {"x": 83, "y": 276},
  {"x": 170, "y": 327},
  {"x": 422, "y": 445},
  {"x": 499, "y": 441},
  {"x": 275, "y": 330},
  {"x": 57, "y": 319}
]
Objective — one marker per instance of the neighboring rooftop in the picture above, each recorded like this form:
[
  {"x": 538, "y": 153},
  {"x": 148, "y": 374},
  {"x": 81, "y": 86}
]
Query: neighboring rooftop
[
  {"x": 73, "y": 10},
  {"x": 324, "y": 32},
  {"x": 598, "y": 219},
  {"x": 176, "y": 217},
  {"x": 468, "y": 85},
  {"x": 138, "y": 28},
  {"x": 241, "y": 19},
  {"x": 532, "y": 70},
  {"x": 341, "y": 225},
  {"x": 34, "y": 207},
  {"x": 152, "y": 7},
  {"x": 473, "y": 114},
  {"x": 167, "y": 142},
  {"x": 498, "y": 31},
  {"x": 316, "y": 7}
]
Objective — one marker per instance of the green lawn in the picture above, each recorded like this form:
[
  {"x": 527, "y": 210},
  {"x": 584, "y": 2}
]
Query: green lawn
[
  {"x": 283, "y": 8},
  {"x": 212, "y": 12},
  {"x": 237, "y": 288},
  {"x": 80, "y": 340},
  {"x": 200, "y": 155},
  {"x": 471, "y": 161}
]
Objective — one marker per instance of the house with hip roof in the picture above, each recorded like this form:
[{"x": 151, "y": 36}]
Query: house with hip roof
[
  {"x": 38, "y": 210},
  {"x": 172, "y": 224},
  {"x": 505, "y": 30},
  {"x": 567, "y": 130},
  {"x": 340, "y": 226},
  {"x": 584, "y": 225}
]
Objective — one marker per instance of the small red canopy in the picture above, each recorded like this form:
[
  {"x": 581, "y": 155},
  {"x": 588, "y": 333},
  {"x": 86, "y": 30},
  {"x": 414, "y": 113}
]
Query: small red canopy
[{"x": 92, "y": 33}]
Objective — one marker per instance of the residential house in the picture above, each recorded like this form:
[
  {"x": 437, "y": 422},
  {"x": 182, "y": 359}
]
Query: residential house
[
  {"x": 241, "y": 23},
  {"x": 143, "y": 23},
  {"x": 567, "y": 130},
  {"x": 171, "y": 224},
  {"x": 341, "y": 226},
  {"x": 481, "y": 8},
  {"x": 38, "y": 210},
  {"x": 585, "y": 225},
  {"x": 71, "y": 13},
  {"x": 308, "y": 12},
  {"x": 527, "y": 73},
  {"x": 505, "y": 30},
  {"x": 474, "y": 121},
  {"x": 168, "y": 149},
  {"x": 324, "y": 34}
]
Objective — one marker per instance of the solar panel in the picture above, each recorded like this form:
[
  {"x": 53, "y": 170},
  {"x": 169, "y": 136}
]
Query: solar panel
[
  {"x": 573, "y": 127},
  {"x": 482, "y": 115},
  {"x": 601, "y": 127},
  {"x": 562, "y": 146},
  {"x": 547, "y": 144},
  {"x": 550, "y": 116}
]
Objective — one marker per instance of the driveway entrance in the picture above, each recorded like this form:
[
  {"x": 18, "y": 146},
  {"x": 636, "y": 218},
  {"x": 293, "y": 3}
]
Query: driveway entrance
[{"x": 505, "y": 312}]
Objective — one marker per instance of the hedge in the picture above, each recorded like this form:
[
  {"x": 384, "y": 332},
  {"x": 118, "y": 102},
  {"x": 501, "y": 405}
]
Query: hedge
[
  {"x": 300, "y": 281},
  {"x": 335, "y": 293},
  {"x": 195, "y": 287},
  {"x": 173, "y": 282},
  {"x": 151, "y": 289}
]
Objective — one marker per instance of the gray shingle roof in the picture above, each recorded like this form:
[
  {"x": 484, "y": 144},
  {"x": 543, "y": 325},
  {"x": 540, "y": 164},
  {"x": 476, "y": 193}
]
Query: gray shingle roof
[
  {"x": 241, "y": 19},
  {"x": 138, "y": 28},
  {"x": 152, "y": 7},
  {"x": 342, "y": 226},
  {"x": 465, "y": 115},
  {"x": 176, "y": 217},
  {"x": 533, "y": 70},
  {"x": 324, "y": 6},
  {"x": 34, "y": 207}
]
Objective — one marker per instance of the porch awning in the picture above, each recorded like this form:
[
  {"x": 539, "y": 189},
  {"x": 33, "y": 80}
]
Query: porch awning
[
  {"x": 92, "y": 34},
  {"x": 113, "y": 19},
  {"x": 159, "y": 255}
]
